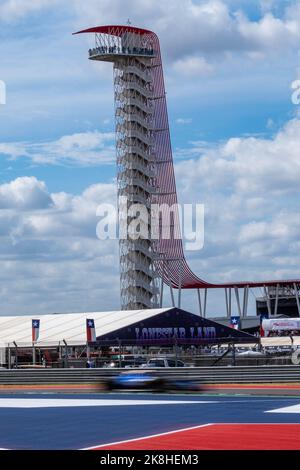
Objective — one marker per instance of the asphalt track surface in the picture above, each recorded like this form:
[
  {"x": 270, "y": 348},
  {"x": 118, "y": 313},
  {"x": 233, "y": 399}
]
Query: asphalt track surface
[{"x": 147, "y": 421}]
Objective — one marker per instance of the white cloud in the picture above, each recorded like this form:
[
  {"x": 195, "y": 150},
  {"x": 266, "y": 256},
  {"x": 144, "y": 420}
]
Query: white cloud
[
  {"x": 259, "y": 231},
  {"x": 13, "y": 150},
  {"x": 11, "y": 10},
  {"x": 184, "y": 121},
  {"x": 83, "y": 149},
  {"x": 50, "y": 256},
  {"x": 250, "y": 188},
  {"x": 252, "y": 165},
  {"x": 25, "y": 193},
  {"x": 270, "y": 124},
  {"x": 187, "y": 27},
  {"x": 269, "y": 33},
  {"x": 193, "y": 67},
  {"x": 198, "y": 39},
  {"x": 266, "y": 5}
]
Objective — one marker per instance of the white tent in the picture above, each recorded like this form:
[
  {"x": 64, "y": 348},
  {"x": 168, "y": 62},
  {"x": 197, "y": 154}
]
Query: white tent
[{"x": 70, "y": 327}]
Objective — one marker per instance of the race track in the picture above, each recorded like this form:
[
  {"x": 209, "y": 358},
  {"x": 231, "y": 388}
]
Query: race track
[{"x": 137, "y": 421}]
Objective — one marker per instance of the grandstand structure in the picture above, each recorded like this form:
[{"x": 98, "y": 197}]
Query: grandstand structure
[{"x": 146, "y": 176}]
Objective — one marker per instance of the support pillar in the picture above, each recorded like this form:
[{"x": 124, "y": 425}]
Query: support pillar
[
  {"x": 276, "y": 300},
  {"x": 228, "y": 302},
  {"x": 199, "y": 301},
  {"x": 268, "y": 302},
  {"x": 203, "y": 308},
  {"x": 205, "y": 303},
  {"x": 180, "y": 284},
  {"x": 162, "y": 286},
  {"x": 172, "y": 296},
  {"x": 169, "y": 282},
  {"x": 245, "y": 302},
  {"x": 237, "y": 295},
  {"x": 297, "y": 298}
]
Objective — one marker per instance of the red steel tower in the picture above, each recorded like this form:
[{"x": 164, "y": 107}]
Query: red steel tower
[{"x": 146, "y": 177}]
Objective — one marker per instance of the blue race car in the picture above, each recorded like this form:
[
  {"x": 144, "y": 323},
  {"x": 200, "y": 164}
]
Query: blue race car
[{"x": 149, "y": 381}]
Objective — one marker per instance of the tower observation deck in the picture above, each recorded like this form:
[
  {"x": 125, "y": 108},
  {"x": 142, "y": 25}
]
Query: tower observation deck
[{"x": 146, "y": 173}]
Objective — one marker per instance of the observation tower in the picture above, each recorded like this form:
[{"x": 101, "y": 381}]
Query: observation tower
[
  {"x": 135, "y": 56},
  {"x": 146, "y": 177}
]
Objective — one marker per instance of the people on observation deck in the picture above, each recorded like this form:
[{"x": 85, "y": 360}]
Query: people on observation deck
[{"x": 103, "y": 50}]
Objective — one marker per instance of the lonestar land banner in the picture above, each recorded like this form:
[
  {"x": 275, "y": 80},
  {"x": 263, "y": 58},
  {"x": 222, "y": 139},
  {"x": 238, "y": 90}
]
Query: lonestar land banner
[
  {"x": 176, "y": 326},
  {"x": 192, "y": 333}
]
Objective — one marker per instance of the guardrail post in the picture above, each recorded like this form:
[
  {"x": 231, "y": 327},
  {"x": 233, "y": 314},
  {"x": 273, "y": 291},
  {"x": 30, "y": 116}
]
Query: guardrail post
[
  {"x": 120, "y": 352},
  {"x": 66, "y": 364},
  {"x": 176, "y": 352},
  {"x": 16, "y": 354},
  {"x": 233, "y": 355},
  {"x": 9, "y": 357},
  {"x": 33, "y": 354}
]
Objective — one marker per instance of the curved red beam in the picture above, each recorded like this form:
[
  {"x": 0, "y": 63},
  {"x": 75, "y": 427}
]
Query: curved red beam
[
  {"x": 172, "y": 265},
  {"x": 115, "y": 30}
]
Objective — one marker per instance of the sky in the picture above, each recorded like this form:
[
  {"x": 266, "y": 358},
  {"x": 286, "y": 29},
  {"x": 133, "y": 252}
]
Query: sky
[{"x": 229, "y": 67}]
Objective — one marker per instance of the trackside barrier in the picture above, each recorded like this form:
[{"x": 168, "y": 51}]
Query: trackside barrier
[{"x": 220, "y": 375}]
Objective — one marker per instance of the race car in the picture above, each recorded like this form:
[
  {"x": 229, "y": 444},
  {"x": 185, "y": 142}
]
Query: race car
[{"x": 149, "y": 381}]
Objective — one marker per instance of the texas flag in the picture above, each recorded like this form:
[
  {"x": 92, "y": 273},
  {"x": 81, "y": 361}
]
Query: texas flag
[
  {"x": 35, "y": 330},
  {"x": 235, "y": 323},
  {"x": 91, "y": 331}
]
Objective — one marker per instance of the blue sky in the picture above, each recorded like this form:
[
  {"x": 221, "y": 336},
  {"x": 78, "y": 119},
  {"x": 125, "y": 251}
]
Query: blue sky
[
  {"x": 53, "y": 91},
  {"x": 228, "y": 66}
]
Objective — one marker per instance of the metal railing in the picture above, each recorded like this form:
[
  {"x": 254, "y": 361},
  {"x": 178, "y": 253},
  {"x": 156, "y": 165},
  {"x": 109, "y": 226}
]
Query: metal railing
[
  {"x": 121, "y": 51},
  {"x": 143, "y": 74},
  {"x": 204, "y": 375},
  {"x": 134, "y": 164}
]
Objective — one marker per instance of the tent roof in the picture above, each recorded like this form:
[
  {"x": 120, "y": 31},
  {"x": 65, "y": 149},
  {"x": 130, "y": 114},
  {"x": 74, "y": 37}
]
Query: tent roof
[{"x": 69, "y": 327}]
